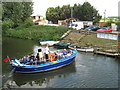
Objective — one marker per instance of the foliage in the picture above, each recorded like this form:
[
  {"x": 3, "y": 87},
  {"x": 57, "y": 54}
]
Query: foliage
[
  {"x": 37, "y": 32},
  {"x": 66, "y": 11},
  {"x": 83, "y": 12},
  {"x": 118, "y": 25},
  {"x": 17, "y": 12},
  {"x": 53, "y": 14},
  {"x": 77, "y": 11},
  {"x": 6, "y": 24},
  {"x": 27, "y": 23},
  {"x": 108, "y": 23}
]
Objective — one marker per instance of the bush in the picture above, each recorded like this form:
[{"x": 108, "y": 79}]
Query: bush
[
  {"x": 108, "y": 23},
  {"x": 37, "y": 32},
  {"x": 118, "y": 25},
  {"x": 28, "y": 22},
  {"x": 7, "y": 24}
]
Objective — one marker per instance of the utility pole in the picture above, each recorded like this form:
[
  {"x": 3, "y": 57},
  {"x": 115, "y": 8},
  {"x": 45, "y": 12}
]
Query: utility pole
[
  {"x": 104, "y": 15},
  {"x": 71, "y": 15},
  {"x": 71, "y": 12}
]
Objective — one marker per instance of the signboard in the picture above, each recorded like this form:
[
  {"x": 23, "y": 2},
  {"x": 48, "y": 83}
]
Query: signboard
[{"x": 107, "y": 36}]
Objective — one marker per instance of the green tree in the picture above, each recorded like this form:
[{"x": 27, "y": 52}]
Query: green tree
[
  {"x": 89, "y": 13},
  {"x": 26, "y": 10},
  {"x": 53, "y": 14},
  {"x": 17, "y": 12},
  {"x": 77, "y": 11},
  {"x": 85, "y": 12},
  {"x": 59, "y": 11},
  {"x": 66, "y": 12}
]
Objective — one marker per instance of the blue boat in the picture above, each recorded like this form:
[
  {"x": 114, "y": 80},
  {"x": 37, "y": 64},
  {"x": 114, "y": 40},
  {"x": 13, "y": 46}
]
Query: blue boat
[{"x": 24, "y": 68}]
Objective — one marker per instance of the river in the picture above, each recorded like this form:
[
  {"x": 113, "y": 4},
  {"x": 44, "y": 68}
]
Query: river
[{"x": 88, "y": 71}]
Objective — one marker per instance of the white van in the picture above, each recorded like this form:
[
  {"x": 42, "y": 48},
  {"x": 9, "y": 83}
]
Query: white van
[{"x": 77, "y": 25}]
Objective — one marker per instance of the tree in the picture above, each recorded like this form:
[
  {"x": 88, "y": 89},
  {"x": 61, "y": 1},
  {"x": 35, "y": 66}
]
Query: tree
[
  {"x": 96, "y": 16},
  {"x": 51, "y": 15},
  {"x": 85, "y": 12},
  {"x": 54, "y": 14},
  {"x": 16, "y": 12},
  {"x": 77, "y": 11},
  {"x": 66, "y": 12}
]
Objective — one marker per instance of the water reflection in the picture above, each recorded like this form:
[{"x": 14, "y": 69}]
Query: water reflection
[{"x": 39, "y": 79}]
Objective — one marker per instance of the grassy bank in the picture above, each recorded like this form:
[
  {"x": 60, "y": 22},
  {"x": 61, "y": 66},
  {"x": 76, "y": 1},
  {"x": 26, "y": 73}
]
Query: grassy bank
[
  {"x": 82, "y": 39},
  {"x": 37, "y": 32}
]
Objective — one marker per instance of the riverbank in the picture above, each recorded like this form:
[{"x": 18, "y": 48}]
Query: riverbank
[
  {"x": 37, "y": 32},
  {"x": 89, "y": 39}
]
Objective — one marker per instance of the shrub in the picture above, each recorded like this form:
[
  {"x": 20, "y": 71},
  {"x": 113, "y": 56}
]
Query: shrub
[
  {"x": 37, "y": 32},
  {"x": 28, "y": 22},
  {"x": 7, "y": 24},
  {"x": 118, "y": 25},
  {"x": 108, "y": 23}
]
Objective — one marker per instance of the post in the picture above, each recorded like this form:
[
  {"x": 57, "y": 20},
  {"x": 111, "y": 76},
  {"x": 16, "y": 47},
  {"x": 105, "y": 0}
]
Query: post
[
  {"x": 104, "y": 15},
  {"x": 71, "y": 12}
]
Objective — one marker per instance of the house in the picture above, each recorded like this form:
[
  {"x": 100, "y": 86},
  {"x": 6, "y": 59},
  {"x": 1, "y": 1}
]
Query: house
[
  {"x": 67, "y": 22},
  {"x": 74, "y": 23},
  {"x": 38, "y": 19}
]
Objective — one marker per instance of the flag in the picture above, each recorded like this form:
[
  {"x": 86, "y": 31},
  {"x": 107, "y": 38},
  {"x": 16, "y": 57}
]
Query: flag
[{"x": 7, "y": 59}]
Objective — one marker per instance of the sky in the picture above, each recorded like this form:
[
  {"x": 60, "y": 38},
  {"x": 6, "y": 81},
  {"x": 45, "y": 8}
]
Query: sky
[{"x": 110, "y": 6}]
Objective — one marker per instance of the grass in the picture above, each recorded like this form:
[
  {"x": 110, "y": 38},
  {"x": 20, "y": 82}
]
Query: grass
[
  {"x": 91, "y": 40},
  {"x": 37, "y": 32}
]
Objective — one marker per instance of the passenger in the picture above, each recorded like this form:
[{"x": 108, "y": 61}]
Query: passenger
[
  {"x": 65, "y": 52},
  {"x": 24, "y": 60},
  {"x": 46, "y": 52},
  {"x": 21, "y": 60},
  {"x": 40, "y": 54},
  {"x": 55, "y": 53},
  {"x": 58, "y": 54},
  {"x": 27, "y": 58},
  {"x": 70, "y": 52},
  {"x": 52, "y": 57},
  {"x": 32, "y": 57},
  {"x": 31, "y": 61},
  {"x": 37, "y": 56},
  {"x": 44, "y": 58},
  {"x": 35, "y": 61}
]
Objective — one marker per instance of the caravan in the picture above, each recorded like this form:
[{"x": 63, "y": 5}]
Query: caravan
[{"x": 77, "y": 25}]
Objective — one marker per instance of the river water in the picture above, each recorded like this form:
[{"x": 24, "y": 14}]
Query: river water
[{"x": 88, "y": 71}]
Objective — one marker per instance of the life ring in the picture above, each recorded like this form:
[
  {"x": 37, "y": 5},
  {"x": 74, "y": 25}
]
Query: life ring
[{"x": 52, "y": 56}]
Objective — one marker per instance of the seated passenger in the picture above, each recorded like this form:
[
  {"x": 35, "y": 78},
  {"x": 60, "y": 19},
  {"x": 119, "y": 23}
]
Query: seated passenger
[
  {"x": 44, "y": 59},
  {"x": 27, "y": 58},
  {"x": 21, "y": 60},
  {"x": 52, "y": 57},
  {"x": 37, "y": 56},
  {"x": 58, "y": 54},
  {"x": 24, "y": 60},
  {"x": 32, "y": 57},
  {"x": 65, "y": 52},
  {"x": 31, "y": 61},
  {"x": 70, "y": 52}
]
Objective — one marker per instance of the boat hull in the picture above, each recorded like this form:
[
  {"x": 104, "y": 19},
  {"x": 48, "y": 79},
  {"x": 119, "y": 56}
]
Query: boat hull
[
  {"x": 45, "y": 67},
  {"x": 82, "y": 49},
  {"x": 50, "y": 43}
]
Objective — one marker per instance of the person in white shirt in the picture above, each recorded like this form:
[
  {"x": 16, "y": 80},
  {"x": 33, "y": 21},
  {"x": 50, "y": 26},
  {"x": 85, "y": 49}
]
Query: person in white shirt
[{"x": 46, "y": 52}]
